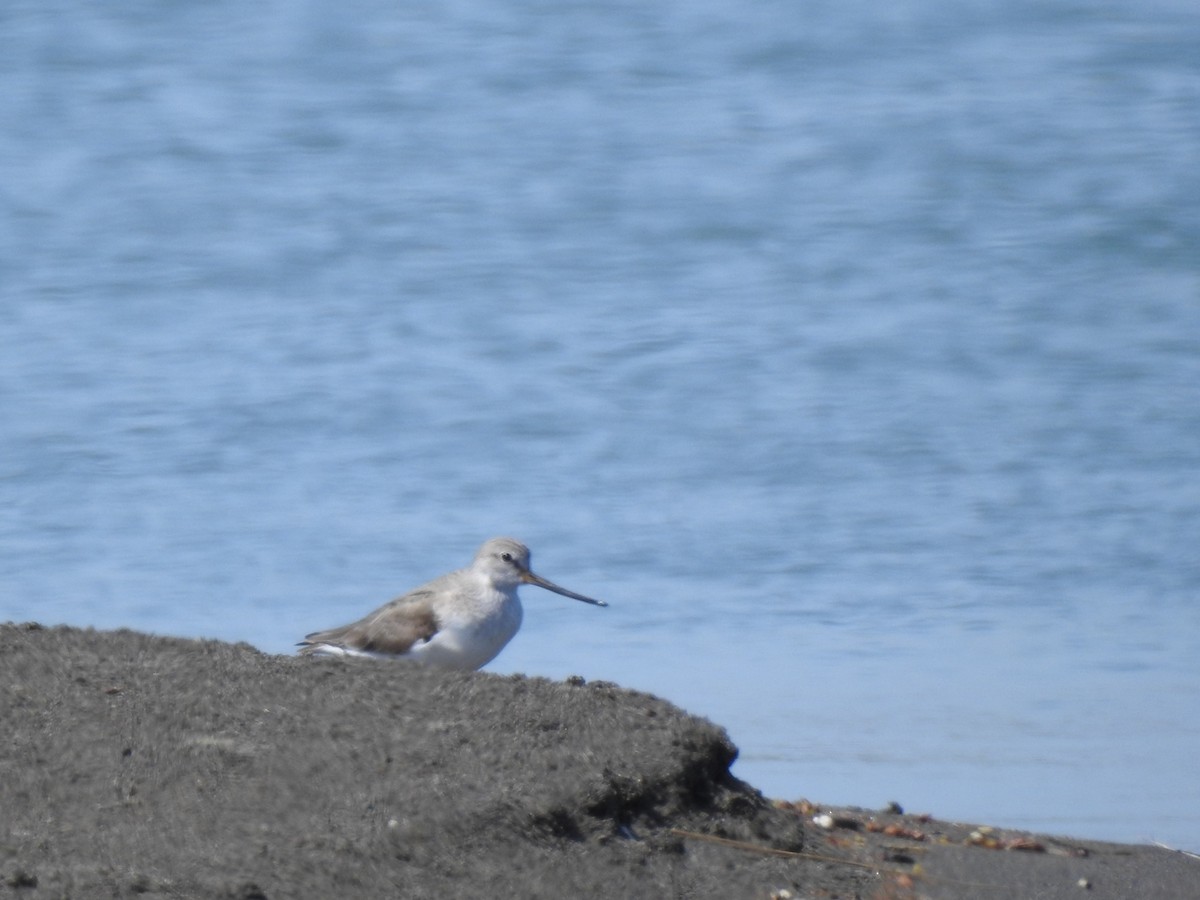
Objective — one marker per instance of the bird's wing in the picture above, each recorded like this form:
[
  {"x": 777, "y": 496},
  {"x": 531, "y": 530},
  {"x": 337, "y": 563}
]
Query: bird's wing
[{"x": 393, "y": 628}]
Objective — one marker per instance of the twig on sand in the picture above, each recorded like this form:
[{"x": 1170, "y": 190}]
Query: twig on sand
[{"x": 767, "y": 851}]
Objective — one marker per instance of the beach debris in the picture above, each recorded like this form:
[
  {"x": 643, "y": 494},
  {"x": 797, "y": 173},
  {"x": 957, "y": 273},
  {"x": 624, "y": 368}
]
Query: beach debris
[
  {"x": 985, "y": 836},
  {"x": 803, "y": 807},
  {"x": 895, "y": 829},
  {"x": 828, "y": 821},
  {"x": 1028, "y": 844},
  {"x": 1063, "y": 850}
]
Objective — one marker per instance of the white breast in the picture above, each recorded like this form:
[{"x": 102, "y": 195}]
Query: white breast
[{"x": 469, "y": 646}]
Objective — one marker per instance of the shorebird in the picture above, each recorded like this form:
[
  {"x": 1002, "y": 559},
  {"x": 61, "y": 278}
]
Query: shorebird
[{"x": 458, "y": 621}]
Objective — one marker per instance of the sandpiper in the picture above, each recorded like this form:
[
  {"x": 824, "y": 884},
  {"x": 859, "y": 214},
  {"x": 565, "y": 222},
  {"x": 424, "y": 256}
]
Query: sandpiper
[{"x": 458, "y": 621}]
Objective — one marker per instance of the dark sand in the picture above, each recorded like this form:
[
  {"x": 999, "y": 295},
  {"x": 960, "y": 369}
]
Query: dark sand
[{"x": 133, "y": 765}]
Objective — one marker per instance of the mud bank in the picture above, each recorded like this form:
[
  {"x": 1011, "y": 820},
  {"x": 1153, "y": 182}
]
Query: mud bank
[{"x": 134, "y": 765}]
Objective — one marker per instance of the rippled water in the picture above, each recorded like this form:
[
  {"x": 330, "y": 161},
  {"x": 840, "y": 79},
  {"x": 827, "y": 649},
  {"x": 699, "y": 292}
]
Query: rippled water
[{"x": 852, "y": 354}]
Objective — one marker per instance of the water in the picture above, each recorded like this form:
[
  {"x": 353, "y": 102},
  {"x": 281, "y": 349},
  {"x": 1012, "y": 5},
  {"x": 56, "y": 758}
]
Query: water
[{"x": 853, "y": 355}]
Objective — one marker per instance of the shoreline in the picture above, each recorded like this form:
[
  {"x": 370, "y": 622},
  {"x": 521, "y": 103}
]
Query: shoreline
[{"x": 147, "y": 766}]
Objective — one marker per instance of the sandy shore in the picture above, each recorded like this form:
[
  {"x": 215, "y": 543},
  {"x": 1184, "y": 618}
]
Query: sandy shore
[{"x": 134, "y": 765}]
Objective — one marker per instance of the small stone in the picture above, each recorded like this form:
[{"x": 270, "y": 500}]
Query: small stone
[
  {"x": 22, "y": 879},
  {"x": 141, "y": 884},
  {"x": 1084, "y": 883}
]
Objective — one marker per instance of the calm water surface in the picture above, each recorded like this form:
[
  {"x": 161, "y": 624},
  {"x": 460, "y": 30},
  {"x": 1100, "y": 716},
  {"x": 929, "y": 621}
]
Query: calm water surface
[{"x": 852, "y": 355}]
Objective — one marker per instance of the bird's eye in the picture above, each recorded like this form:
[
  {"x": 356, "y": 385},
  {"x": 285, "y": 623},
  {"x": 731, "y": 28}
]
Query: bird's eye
[{"x": 507, "y": 557}]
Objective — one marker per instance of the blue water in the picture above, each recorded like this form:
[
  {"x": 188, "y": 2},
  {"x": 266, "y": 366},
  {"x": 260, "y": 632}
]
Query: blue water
[{"x": 852, "y": 354}]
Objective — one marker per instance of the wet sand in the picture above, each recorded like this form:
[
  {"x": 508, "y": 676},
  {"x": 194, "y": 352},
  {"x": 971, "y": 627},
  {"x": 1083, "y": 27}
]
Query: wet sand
[{"x": 141, "y": 766}]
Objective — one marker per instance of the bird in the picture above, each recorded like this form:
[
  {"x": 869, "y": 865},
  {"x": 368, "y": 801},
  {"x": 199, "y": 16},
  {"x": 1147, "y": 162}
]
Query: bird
[{"x": 460, "y": 620}]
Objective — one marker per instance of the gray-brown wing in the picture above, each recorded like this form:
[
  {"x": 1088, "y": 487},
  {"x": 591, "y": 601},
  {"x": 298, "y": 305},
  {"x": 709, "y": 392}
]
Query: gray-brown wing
[{"x": 393, "y": 628}]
